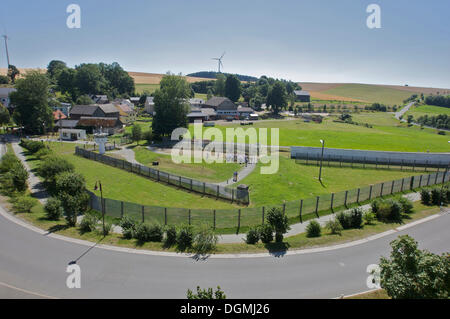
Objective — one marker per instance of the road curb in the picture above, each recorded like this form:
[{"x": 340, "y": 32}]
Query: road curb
[{"x": 23, "y": 223}]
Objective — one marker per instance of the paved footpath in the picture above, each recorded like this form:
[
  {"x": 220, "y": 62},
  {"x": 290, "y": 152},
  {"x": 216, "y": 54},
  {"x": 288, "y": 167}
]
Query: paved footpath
[{"x": 34, "y": 183}]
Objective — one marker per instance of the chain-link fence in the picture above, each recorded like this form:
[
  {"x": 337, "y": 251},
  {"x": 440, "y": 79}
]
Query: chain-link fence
[
  {"x": 240, "y": 196},
  {"x": 296, "y": 211}
]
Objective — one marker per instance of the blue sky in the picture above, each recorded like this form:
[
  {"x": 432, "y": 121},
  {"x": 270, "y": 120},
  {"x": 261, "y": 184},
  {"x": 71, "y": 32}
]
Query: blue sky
[{"x": 301, "y": 40}]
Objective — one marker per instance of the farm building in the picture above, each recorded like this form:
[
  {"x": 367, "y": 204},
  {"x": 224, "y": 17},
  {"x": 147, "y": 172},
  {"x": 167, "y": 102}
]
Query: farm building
[
  {"x": 302, "y": 96},
  {"x": 223, "y": 106},
  {"x": 201, "y": 114},
  {"x": 149, "y": 106}
]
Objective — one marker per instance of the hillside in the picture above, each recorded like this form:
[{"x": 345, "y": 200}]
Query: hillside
[{"x": 387, "y": 94}]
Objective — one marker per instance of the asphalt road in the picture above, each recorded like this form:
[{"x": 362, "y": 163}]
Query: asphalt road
[{"x": 37, "y": 263}]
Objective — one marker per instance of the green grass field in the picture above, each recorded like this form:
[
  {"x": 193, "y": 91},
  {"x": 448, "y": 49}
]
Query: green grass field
[
  {"x": 296, "y": 181},
  {"x": 370, "y": 93},
  {"x": 430, "y": 110},
  {"x": 387, "y": 134},
  {"x": 121, "y": 185},
  {"x": 202, "y": 171}
]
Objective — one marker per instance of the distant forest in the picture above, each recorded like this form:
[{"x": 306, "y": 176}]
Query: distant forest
[
  {"x": 213, "y": 75},
  {"x": 438, "y": 100}
]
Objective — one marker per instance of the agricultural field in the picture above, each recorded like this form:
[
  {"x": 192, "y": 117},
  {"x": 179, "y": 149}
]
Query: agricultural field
[
  {"x": 387, "y": 134},
  {"x": 201, "y": 171},
  {"x": 150, "y": 88},
  {"x": 430, "y": 110}
]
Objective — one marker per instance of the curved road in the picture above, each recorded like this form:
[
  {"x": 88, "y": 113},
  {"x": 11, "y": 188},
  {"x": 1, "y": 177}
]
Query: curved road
[{"x": 37, "y": 263}]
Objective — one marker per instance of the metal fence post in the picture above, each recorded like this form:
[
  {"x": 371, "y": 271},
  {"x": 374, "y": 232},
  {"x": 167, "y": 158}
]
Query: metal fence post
[
  {"x": 345, "y": 200},
  {"x": 332, "y": 199},
  {"x": 357, "y": 196},
  {"x": 214, "y": 219},
  {"x": 317, "y": 206},
  {"x": 301, "y": 208},
  {"x": 392, "y": 187},
  {"x": 143, "y": 217},
  {"x": 381, "y": 192},
  {"x": 189, "y": 217},
  {"x": 263, "y": 211},
  {"x": 165, "y": 216},
  {"x": 239, "y": 221},
  {"x": 121, "y": 209},
  {"x": 436, "y": 178},
  {"x": 420, "y": 181},
  {"x": 370, "y": 192},
  {"x": 284, "y": 209},
  {"x": 428, "y": 180},
  {"x": 403, "y": 182}
]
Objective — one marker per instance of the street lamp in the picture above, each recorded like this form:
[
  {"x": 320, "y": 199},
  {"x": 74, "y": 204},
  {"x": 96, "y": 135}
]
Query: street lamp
[
  {"x": 321, "y": 160},
  {"x": 101, "y": 199}
]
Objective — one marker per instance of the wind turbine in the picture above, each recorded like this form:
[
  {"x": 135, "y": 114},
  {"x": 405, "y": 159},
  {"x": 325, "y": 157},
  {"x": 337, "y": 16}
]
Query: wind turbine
[
  {"x": 219, "y": 61},
  {"x": 6, "y": 46}
]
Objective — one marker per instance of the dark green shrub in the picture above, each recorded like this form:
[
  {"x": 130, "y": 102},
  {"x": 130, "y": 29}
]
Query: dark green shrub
[
  {"x": 32, "y": 146},
  {"x": 18, "y": 176},
  {"x": 334, "y": 226},
  {"x": 7, "y": 162},
  {"x": 425, "y": 197},
  {"x": 88, "y": 223},
  {"x": 438, "y": 196},
  {"x": 279, "y": 223},
  {"x": 253, "y": 236},
  {"x": 406, "y": 205},
  {"x": 205, "y": 240},
  {"x": 266, "y": 233},
  {"x": 53, "y": 209},
  {"x": 313, "y": 229},
  {"x": 43, "y": 152},
  {"x": 51, "y": 167},
  {"x": 369, "y": 218},
  {"x": 171, "y": 236},
  {"x": 146, "y": 232},
  {"x": 387, "y": 210},
  {"x": 185, "y": 236},
  {"x": 128, "y": 227},
  {"x": 344, "y": 219},
  {"x": 352, "y": 219},
  {"x": 24, "y": 204}
]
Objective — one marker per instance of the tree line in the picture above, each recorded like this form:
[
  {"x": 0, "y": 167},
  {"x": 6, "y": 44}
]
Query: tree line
[{"x": 438, "y": 100}]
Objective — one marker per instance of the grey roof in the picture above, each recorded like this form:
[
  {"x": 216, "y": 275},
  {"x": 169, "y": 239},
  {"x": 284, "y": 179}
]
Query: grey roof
[
  {"x": 83, "y": 109},
  {"x": 67, "y": 123},
  {"x": 6, "y": 91},
  {"x": 216, "y": 101},
  {"x": 108, "y": 108},
  {"x": 204, "y": 112},
  {"x": 297, "y": 92},
  {"x": 245, "y": 110}
]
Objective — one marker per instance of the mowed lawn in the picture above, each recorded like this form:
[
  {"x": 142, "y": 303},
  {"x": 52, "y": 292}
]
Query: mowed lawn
[
  {"x": 387, "y": 134},
  {"x": 121, "y": 185},
  {"x": 430, "y": 110},
  {"x": 296, "y": 181},
  {"x": 370, "y": 93},
  {"x": 214, "y": 172}
]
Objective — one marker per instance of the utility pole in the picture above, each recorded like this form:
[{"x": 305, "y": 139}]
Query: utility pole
[{"x": 6, "y": 46}]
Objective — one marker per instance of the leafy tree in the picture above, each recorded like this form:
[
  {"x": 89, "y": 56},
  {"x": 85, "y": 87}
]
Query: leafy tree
[
  {"x": 170, "y": 105},
  {"x": 412, "y": 273},
  {"x": 54, "y": 69},
  {"x": 233, "y": 88},
  {"x": 219, "y": 86},
  {"x": 206, "y": 294},
  {"x": 84, "y": 100},
  {"x": 136, "y": 133},
  {"x": 67, "y": 82},
  {"x": 51, "y": 167},
  {"x": 89, "y": 79},
  {"x": 209, "y": 94},
  {"x": 13, "y": 72},
  {"x": 410, "y": 119},
  {"x": 32, "y": 110},
  {"x": 279, "y": 223},
  {"x": 4, "y": 115},
  {"x": 4, "y": 79},
  {"x": 53, "y": 209},
  {"x": 71, "y": 190},
  {"x": 119, "y": 81},
  {"x": 18, "y": 176},
  {"x": 276, "y": 97}
]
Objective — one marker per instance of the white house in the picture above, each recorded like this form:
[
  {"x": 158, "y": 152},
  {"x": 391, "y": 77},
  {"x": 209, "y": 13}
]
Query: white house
[
  {"x": 72, "y": 134},
  {"x": 149, "y": 105}
]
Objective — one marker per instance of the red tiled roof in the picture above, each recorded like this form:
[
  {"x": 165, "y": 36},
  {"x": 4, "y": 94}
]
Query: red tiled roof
[{"x": 58, "y": 115}]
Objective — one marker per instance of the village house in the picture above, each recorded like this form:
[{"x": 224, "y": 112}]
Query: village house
[
  {"x": 4, "y": 96},
  {"x": 224, "y": 107},
  {"x": 302, "y": 96}
]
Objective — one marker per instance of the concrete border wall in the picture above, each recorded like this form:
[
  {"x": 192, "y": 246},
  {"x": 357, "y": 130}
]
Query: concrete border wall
[{"x": 441, "y": 159}]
